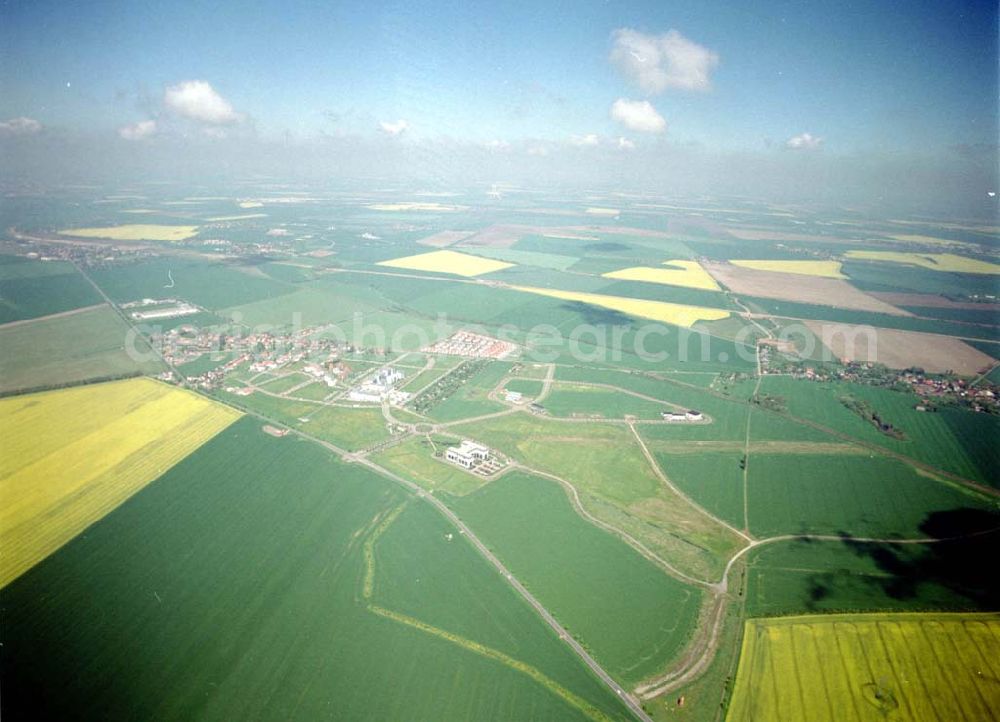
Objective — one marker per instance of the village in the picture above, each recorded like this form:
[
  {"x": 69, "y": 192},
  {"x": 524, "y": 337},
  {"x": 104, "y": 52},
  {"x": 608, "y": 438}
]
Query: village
[{"x": 980, "y": 395}]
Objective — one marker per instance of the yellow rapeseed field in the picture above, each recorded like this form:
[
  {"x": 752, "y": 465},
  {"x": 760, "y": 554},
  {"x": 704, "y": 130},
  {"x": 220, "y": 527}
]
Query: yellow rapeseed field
[
  {"x": 861, "y": 667},
  {"x": 459, "y": 264},
  {"x": 823, "y": 269},
  {"x": 673, "y": 313},
  {"x": 71, "y": 456},
  {"x": 934, "y": 261},
  {"x": 688, "y": 274},
  {"x": 134, "y": 232}
]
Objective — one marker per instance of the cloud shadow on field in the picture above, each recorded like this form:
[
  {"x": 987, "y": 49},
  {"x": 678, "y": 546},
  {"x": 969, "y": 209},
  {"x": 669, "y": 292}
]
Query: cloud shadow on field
[
  {"x": 963, "y": 566},
  {"x": 597, "y": 316}
]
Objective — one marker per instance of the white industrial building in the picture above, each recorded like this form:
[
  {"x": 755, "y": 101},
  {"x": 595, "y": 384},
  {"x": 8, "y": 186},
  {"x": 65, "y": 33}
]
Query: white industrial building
[
  {"x": 467, "y": 454},
  {"x": 690, "y": 415}
]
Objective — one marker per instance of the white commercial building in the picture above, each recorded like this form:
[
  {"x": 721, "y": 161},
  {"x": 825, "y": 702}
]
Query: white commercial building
[{"x": 467, "y": 454}]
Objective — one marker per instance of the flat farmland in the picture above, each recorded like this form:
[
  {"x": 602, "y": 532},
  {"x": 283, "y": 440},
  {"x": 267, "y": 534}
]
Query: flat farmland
[
  {"x": 951, "y": 439},
  {"x": 822, "y": 269},
  {"x": 901, "y": 349},
  {"x": 211, "y": 284},
  {"x": 313, "y": 305},
  {"x": 867, "y": 496},
  {"x": 451, "y": 262},
  {"x": 472, "y": 397},
  {"x": 616, "y": 484},
  {"x": 530, "y": 388},
  {"x": 711, "y": 478},
  {"x": 578, "y": 400},
  {"x": 625, "y": 610},
  {"x": 948, "y": 262},
  {"x": 261, "y": 572},
  {"x": 418, "y": 557},
  {"x": 798, "y": 288},
  {"x": 30, "y": 289},
  {"x": 688, "y": 274},
  {"x": 728, "y": 417},
  {"x": 804, "y": 576},
  {"x": 349, "y": 428},
  {"x": 673, "y": 313},
  {"x": 135, "y": 232},
  {"x": 67, "y": 349},
  {"x": 849, "y": 668},
  {"x": 72, "y": 456}
]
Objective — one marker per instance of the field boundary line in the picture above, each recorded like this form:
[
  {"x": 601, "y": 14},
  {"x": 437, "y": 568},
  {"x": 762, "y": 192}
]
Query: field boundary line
[
  {"x": 663, "y": 477},
  {"x": 368, "y": 593},
  {"x": 61, "y": 314}
]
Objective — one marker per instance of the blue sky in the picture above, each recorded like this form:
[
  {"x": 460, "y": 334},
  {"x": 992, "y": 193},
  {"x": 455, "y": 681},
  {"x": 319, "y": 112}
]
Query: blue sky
[{"x": 889, "y": 76}]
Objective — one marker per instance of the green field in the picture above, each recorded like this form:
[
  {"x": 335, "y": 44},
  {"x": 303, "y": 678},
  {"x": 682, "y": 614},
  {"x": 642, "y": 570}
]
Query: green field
[
  {"x": 802, "y": 576},
  {"x": 953, "y": 440},
  {"x": 711, "y": 478},
  {"x": 214, "y": 285},
  {"x": 530, "y": 388},
  {"x": 246, "y": 601},
  {"x": 69, "y": 349},
  {"x": 348, "y": 428},
  {"x": 871, "y": 496},
  {"x": 415, "y": 562},
  {"x": 282, "y": 383},
  {"x": 616, "y": 484},
  {"x": 570, "y": 400},
  {"x": 471, "y": 398},
  {"x": 29, "y": 289},
  {"x": 314, "y": 305},
  {"x": 625, "y": 610}
]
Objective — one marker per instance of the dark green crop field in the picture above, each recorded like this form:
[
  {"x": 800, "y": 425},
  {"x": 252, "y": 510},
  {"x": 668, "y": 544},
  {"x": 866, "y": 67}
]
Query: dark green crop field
[
  {"x": 214, "y": 285},
  {"x": 864, "y": 496},
  {"x": 953, "y": 440},
  {"x": 29, "y": 289},
  {"x": 243, "y": 595},
  {"x": 803, "y": 577},
  {"x": 629, "y": 613}
]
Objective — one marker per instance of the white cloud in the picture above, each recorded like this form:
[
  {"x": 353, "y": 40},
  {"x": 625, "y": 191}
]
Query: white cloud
[
  {"x": 804, "y": 141},
  {"x": 657, "y": 62},
  {"x": 582, "y": 141},
  {"x": 138, "y": 131},
  {"x": 197, "y": 100},
  {"x": 213, "y": 132},
  {"x": 538, "y": 150},
  {"x": 20, "y": 126},
  {"x": 393, "y": 129},
  {"x": 625, "y": 144},
  {"x": 638, "y": 115}
]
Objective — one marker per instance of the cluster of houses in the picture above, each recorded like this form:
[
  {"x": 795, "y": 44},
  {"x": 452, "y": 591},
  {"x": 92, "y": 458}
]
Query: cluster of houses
[{"x": 472, "y": 345}]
